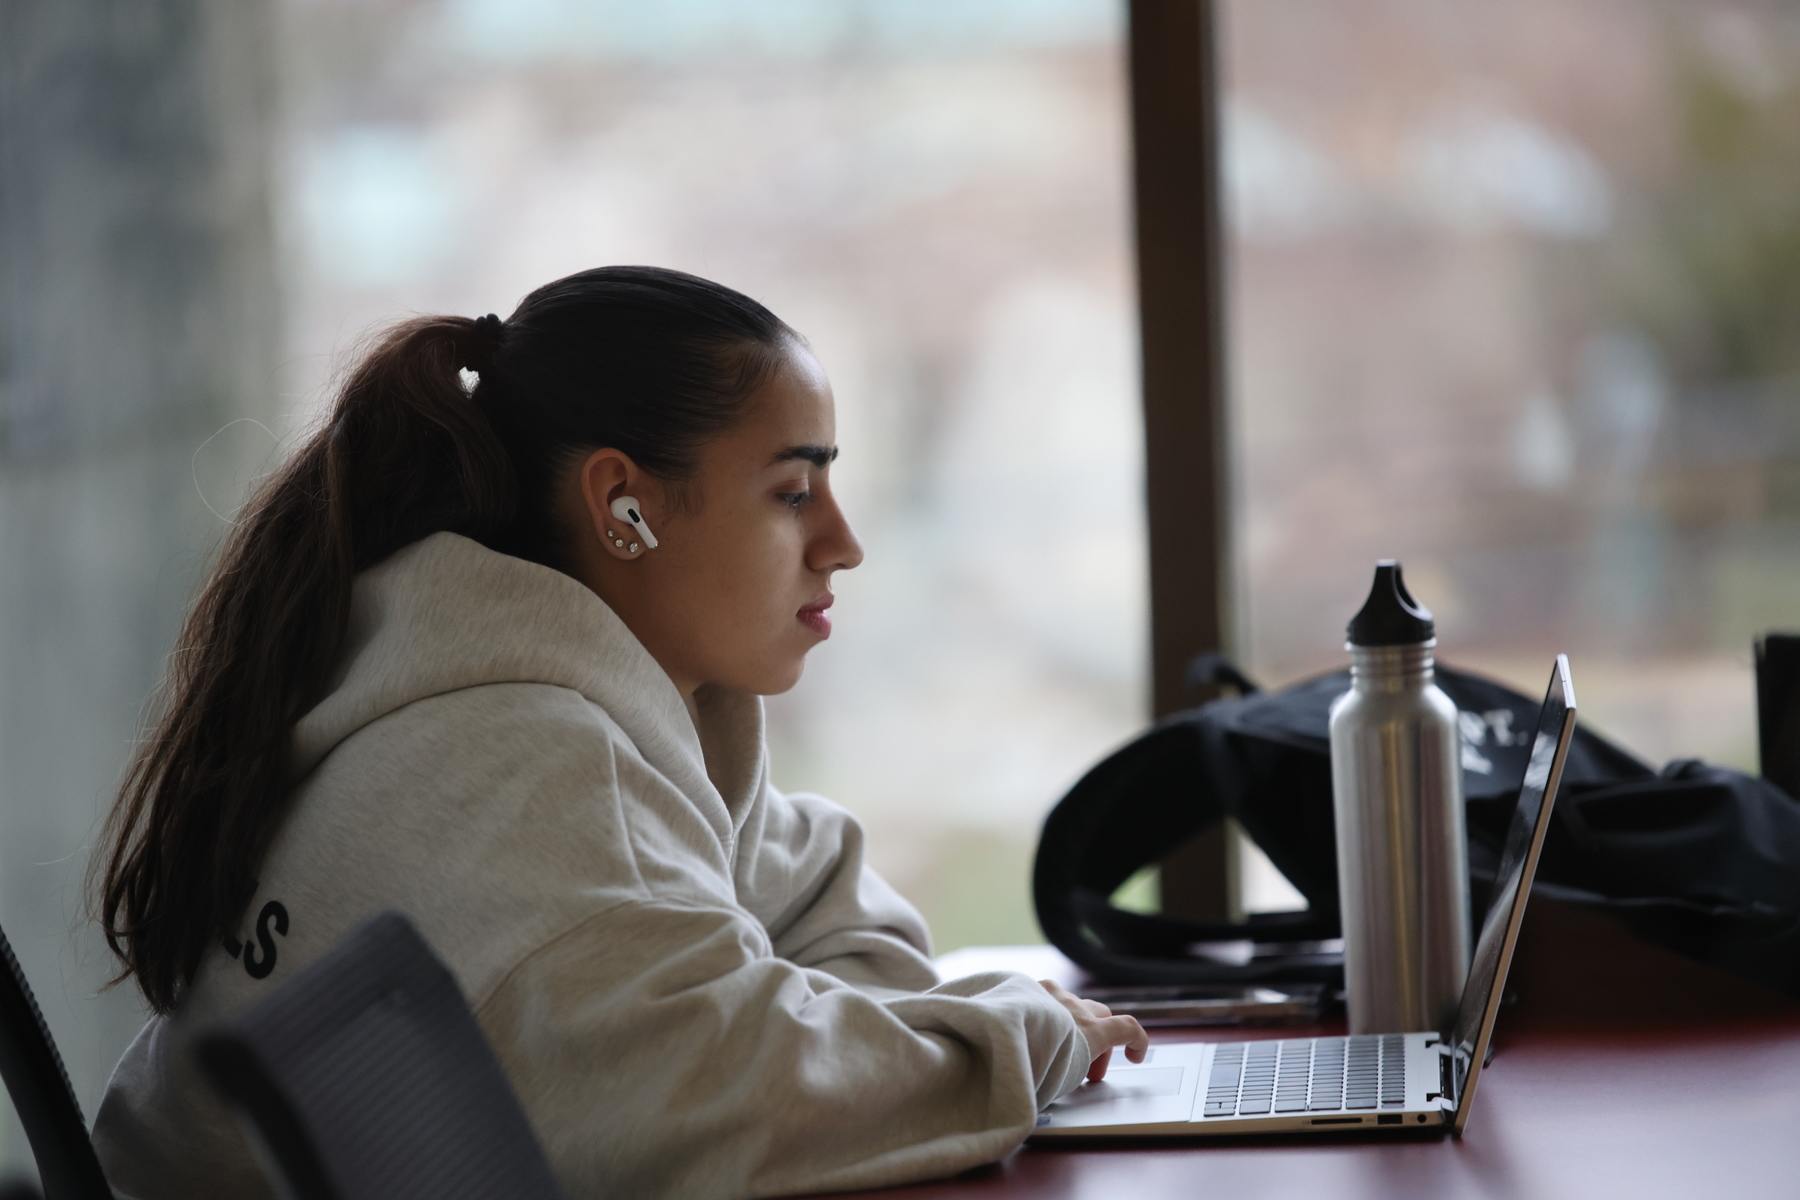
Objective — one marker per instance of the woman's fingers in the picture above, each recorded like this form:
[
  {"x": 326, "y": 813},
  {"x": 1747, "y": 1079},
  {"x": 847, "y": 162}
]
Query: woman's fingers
[
  {"x": 1128, "y": 1033},
  {"x": 1118, "y": 1031},
  {"x": 1103, "y": 1030}
]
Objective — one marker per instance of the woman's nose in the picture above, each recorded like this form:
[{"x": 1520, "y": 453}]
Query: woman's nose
[{"x": 837, "y": 547}]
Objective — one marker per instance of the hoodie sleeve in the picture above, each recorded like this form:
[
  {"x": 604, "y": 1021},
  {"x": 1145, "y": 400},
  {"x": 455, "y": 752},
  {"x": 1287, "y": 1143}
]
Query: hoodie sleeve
[
  {"x": 801, "y": 871},
  {"x": 663, "y": 1048}
]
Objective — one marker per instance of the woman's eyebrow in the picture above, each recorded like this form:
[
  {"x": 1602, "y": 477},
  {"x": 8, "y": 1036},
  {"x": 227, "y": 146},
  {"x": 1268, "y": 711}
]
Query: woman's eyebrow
[{"x": 818, "y": 456}]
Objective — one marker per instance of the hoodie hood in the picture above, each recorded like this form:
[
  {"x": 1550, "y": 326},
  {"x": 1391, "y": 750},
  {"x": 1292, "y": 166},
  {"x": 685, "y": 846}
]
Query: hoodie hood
[{"x": 446, "y": 613}]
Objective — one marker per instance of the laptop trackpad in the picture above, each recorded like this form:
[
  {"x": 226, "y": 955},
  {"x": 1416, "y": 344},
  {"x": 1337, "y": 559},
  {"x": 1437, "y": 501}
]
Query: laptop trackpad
[{"x": 1141, "y": 1083}]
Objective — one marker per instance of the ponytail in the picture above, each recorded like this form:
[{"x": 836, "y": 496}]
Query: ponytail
[{"x": 204, "y": 793}]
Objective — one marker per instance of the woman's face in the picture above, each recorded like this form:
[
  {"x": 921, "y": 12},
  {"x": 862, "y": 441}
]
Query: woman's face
[{"x": 719, "y": 599}]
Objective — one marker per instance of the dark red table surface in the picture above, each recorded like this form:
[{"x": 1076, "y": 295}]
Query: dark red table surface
[{"x": 1623, "y": 1069}]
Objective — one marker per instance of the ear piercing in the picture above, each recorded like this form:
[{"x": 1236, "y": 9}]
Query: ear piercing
[{"x": 620, "y": 542}]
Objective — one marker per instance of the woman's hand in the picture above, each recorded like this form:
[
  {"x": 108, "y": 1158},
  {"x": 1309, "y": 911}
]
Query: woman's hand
[{"x": 1102, "y": 1030}]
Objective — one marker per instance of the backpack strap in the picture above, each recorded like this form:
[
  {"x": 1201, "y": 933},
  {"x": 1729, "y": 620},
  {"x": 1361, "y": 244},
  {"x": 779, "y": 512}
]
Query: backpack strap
[{"x": 1145, "y": 799}]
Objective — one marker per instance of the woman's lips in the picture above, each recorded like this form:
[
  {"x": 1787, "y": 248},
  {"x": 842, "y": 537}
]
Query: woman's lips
[{"x": 814, "y": 618}]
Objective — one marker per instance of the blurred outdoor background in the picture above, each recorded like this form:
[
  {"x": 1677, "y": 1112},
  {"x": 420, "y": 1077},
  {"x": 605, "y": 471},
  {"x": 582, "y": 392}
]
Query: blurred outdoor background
[{"x": 1513, "y": 295}]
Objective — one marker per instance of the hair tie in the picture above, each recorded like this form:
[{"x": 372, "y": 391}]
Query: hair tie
[{"x": 478, "y": 355}]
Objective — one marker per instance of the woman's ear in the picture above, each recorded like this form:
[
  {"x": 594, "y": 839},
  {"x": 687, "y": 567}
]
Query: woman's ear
[
  {"x": 601, "y": 477},
  {"x": 612, "y": 487}
]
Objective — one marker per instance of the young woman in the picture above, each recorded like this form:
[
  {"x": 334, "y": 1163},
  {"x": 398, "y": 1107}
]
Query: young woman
[{"x": 494, "y": 657}]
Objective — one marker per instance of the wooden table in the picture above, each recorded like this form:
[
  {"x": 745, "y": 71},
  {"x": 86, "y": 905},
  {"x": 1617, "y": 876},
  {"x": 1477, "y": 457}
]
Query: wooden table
[{"x": 1623, "y": 1070}]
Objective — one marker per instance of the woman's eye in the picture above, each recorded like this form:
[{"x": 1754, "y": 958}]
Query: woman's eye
[{"x": 794, "y": 499}]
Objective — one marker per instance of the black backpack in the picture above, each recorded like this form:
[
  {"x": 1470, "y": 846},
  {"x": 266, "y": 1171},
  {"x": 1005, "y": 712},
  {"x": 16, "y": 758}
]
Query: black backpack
[{"x": 1700, "y": 858}]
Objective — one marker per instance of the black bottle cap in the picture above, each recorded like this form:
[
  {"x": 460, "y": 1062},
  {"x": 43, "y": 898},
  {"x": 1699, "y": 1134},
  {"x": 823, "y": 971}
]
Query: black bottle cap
[{"x": 1390, "y": 616}]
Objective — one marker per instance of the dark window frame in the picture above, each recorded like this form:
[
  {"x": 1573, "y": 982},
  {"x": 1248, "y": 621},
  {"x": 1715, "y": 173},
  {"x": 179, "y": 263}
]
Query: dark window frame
[{"x": 1172, "y": 69}]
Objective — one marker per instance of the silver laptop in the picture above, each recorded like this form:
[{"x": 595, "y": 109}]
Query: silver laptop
[{"x": 1388, "y": 1082}]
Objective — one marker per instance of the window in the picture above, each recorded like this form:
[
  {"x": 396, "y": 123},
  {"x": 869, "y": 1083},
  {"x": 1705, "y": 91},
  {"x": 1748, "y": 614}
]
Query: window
[{"x": 1512, "y": 297}]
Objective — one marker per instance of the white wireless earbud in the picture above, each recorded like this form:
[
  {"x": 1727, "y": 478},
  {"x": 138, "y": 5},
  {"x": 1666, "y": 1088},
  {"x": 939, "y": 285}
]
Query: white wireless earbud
[{"x": 626, "y": 509}]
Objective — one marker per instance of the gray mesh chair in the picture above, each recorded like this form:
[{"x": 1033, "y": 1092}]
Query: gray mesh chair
[
  {"x": 365, "y": 1076},
  {"x": 39, "y": 1086}
]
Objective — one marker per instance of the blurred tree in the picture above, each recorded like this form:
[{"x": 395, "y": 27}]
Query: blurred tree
[
  {"x": 137, "y": 318},
  {"x": 1711, "y": 271}
]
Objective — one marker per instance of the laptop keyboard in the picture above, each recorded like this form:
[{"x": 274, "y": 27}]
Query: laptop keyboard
[{"x": 1307, "y": 1075}]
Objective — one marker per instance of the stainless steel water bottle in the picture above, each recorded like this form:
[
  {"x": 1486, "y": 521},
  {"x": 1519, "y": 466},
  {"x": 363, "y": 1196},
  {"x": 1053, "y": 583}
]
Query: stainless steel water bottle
[{"x": 1396, "y": 791}]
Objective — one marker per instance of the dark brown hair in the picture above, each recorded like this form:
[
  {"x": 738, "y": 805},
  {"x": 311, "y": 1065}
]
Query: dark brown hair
[{"x": 651, "y": 361}]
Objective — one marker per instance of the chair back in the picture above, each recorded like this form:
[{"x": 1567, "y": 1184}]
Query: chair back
[
  {"x": 365, "y": 1076},
  {"x": 39, "y": 1086}
]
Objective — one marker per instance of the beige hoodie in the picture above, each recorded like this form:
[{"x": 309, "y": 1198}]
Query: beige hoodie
[{"x": 696, "y": 985}]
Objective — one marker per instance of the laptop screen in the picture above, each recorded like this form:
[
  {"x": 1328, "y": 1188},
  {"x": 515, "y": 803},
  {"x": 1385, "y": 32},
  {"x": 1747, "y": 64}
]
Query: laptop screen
[{"x": 1518, "y": 863}]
